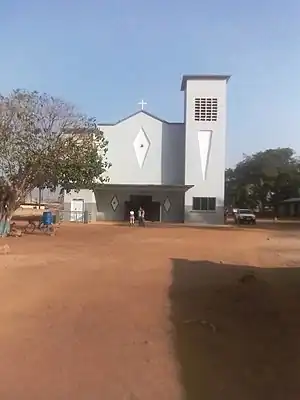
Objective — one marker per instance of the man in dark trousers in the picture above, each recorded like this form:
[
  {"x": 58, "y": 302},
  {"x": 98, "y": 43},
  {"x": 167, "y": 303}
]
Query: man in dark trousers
[{"x": 141, "y": 216}]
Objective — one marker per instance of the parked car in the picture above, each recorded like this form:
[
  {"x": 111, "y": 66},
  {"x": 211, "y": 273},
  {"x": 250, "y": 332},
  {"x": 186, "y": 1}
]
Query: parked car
[{"x": 244, "y": 216}]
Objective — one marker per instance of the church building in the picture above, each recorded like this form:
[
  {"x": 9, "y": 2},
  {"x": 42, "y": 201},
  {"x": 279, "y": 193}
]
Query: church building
[{"x": 174, "y": 170}]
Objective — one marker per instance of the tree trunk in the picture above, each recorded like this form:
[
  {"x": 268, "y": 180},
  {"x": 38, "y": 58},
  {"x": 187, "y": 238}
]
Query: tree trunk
[
  {"x": 4, "y": 224},
  {"x": 4, "y": 228},
  {"x": 6, "y": 213},
  {"x": 40, "y": 197}
]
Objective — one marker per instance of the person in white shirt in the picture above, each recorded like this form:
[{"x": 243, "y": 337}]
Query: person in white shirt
[{"x": 131, "y": 217}]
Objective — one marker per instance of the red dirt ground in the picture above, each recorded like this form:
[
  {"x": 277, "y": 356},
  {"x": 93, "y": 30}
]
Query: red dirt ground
[{"x": 112, "y": 312}]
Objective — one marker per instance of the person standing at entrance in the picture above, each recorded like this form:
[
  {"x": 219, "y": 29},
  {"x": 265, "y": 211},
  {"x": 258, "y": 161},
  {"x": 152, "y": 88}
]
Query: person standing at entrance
[
  {"x": 131, "y": 218},
  {"x": 225, "y": 215},
  {"x": 141, "y": 216}
]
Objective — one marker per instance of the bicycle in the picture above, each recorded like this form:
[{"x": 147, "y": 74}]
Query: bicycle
[
  {"x": 47, "y": 229},
  {"x": 32, "y": 226}
]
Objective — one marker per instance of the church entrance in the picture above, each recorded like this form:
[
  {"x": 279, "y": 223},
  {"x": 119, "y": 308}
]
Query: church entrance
[{"x": 152, "y": 208}]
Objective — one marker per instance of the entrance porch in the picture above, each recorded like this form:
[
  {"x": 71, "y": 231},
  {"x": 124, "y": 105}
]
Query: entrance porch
[
  {"x": 163, "y": 203},
  {"x": 152, "y": 208}
]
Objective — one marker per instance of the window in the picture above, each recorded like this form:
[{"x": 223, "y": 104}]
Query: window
[
  {"x": 204, "y": 203},
  {"x": 205, "y": 109}
]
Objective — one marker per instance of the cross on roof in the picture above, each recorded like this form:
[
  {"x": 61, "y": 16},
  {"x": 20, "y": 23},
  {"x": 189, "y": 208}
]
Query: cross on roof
[{"x": 142, "y": 104}]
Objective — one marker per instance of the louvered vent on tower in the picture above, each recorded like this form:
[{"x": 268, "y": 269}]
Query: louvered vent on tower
[{"x": 206, "y": 109}]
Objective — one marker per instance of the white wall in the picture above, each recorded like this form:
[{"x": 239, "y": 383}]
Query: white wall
[
  {"x": 86, "y": 195},
  {"x": 213, "y": 184},
  {"x": 164, "y": 162}
]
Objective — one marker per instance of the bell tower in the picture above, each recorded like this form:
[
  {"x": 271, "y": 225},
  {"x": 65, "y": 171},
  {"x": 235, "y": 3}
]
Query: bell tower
[{"x": 205, "y": 146}]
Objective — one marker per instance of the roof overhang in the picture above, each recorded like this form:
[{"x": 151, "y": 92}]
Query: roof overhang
[
  {"x": 211, "y": 77},
  {"x": 292, "y": 200},
  {"x": 143, "y": 188}
]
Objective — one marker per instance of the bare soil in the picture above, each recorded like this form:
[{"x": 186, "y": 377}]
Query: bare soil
[{"x": 162, "y": 312}]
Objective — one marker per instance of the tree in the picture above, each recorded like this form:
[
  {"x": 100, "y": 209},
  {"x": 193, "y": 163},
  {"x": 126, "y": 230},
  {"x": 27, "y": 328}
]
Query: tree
[
  {"x": 46, "y": 143},
  {"x": 238, "y": 192},
  {"x": 264, "y": 178}
]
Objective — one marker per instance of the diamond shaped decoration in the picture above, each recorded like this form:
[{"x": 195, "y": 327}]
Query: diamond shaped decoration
[
  {"x": 204, "y": 140},
  {"x": 141, "y": 146},
  {"x": 114, "y": 203},
  {"x": 167, "y": 204}
]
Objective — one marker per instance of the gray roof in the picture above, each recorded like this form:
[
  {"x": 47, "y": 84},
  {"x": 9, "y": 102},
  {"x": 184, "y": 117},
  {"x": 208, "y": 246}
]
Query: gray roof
[
  {"x": 209, "y": 77},
  {"x": 135, "y": 113}
]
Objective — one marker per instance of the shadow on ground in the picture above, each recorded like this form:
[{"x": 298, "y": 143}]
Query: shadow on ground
[{"x": 236, "y": 331}]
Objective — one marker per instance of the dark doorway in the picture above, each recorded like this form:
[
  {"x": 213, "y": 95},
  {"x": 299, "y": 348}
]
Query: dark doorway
[
  {"x": 140, "y": 201},
  {"x": 153, "y": 212},
  {"x": 152, "y": 208}
]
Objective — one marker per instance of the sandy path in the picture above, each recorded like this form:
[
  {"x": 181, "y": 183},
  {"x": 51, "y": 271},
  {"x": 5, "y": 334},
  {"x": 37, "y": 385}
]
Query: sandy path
[{"x": 86, "y": 314}]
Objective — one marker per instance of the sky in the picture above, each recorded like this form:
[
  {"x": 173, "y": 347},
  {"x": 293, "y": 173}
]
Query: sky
[{"x": 106, "y": 55}]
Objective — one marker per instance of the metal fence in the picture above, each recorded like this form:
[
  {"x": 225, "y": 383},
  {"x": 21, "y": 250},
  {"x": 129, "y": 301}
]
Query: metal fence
[{"x": 75, "y": 216}]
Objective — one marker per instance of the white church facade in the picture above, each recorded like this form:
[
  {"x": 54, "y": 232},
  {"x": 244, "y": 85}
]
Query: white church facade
[{"x": 175, "y": 171}]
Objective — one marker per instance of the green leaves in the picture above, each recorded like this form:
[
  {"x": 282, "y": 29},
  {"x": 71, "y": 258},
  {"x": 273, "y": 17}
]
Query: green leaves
[
  {"x": 45, "y": 142},
  {"x": 265, "y": 178}
]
